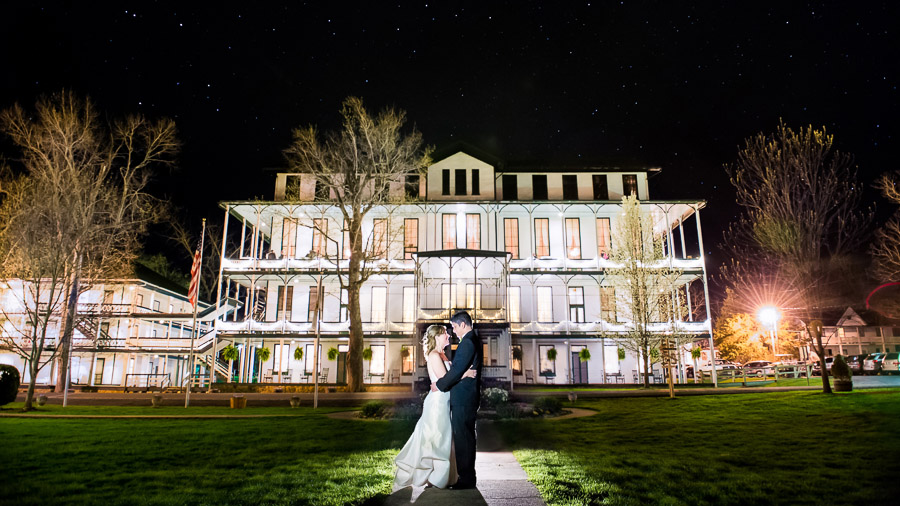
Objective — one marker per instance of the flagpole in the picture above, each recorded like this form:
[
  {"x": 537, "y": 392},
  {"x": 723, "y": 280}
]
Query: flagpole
[{"x": 194, "y": 330}]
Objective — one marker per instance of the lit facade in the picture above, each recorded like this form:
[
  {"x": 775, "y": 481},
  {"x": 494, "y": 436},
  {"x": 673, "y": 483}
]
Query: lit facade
[{"x": 524, "y": 250}]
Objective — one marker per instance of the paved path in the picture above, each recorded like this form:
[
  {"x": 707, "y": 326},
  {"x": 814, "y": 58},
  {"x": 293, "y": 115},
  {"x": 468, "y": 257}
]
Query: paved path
[{"x": 501, "y": 480}]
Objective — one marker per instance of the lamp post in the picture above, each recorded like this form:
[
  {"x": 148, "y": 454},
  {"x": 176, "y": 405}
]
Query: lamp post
[{"x": 769, "y": 316}]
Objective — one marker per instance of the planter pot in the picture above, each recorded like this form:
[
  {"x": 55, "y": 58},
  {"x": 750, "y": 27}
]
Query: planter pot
[
  {"x": 843, "y": 385},
  {"x": 156, "y": 400},
  {"x": 238, "y": 402},
  {"x": 42, "y": 399},
  {"x": 295, "y": 401}
]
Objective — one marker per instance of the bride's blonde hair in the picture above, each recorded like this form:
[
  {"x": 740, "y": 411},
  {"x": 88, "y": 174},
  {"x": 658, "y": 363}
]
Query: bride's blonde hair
[{"x": 429, "y": 340}]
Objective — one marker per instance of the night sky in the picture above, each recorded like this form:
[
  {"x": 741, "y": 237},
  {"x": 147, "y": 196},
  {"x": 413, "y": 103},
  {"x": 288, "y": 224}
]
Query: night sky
[{"x": 655, "y": 84}]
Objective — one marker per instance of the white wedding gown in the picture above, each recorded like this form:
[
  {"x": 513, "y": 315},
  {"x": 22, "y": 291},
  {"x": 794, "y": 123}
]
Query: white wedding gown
[{"x": 427, "y": 458}]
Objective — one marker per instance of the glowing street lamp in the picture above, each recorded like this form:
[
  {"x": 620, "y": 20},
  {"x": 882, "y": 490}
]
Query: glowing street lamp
[{"x": 769, "y": 316}]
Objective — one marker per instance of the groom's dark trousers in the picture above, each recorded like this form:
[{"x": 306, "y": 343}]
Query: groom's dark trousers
[{"x": 465, "y": 396}]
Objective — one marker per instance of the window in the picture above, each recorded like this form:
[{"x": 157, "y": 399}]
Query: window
[
  {"x": 610, "y": 358},
  {"x": 473, "y": 231},
  {"x": 548, "y": 367},
  {"x": 285, "y": 302},
  {"x": 409, "y": 303},
  {"x": 280, "y": 358},
  {"x": 460, "y": 181},
  {"x": 541, "y": 237},
  {"x": 473, "y": 296},
  {"x": 379, "y": 238},
  {"x": 347, "y": 249},
  {"x": 539, "y": 187},
  {"x": 448, "y": 296},
  {"x": 379, "y": 304},
  {"x": 517, "y": 355},
  {"x": 576, "y": 304},
  {"x": 320, "y": 237},
  {"x": 412, "y": 186},
  {"x": 510, "y": 187},
  {"x": 603, "y": 237},
  {"x": 514, "y": 296},
  {"x": 573, "y": 238},
  {"x": 608, "y": 304},
  {"x": 570, "y": 187},
  {"x": 511, "y": 236},
  {"x": 156, "y": 305},
  {"x": 139, "y": 301},
  {"x": 345, "y": 308},
  {"x": 288, "y": 238},
  {"x": 601, "y": 190},
  {"x": 544, "y": 304},
  {"x": 313, "y": 306},
  {"x": 476, "y": 183},
  {"x": 309, "y": 359},
  {"x": 407, "y": 360},
  {"x": 322, "y": 192},
  {"x": 449, "y": 221},
  {"x": 376, "y": 365},
  {"x": 445, "y": 182},
  {"x": 410, "y": 237},
  {"x": 629, "y": 184}
]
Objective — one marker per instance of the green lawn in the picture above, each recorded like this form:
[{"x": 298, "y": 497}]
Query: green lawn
[
  {"x": 773, "y": 448},
  {"x": 306, "y": 458}
]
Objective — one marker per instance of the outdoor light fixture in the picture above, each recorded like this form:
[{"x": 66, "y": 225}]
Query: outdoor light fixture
[{"x": 769, "y": 316}]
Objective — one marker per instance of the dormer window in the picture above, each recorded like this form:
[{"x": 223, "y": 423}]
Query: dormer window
[
  {"x": 460, "y": 181},
  {"x": 476, "y": 183},
  {"x": 539, "y": 186},
  {"x": 629, "y": 184},
  {"x": 570, "y": 187}
]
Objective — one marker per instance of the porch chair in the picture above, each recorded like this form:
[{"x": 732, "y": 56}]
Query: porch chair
[
  {"x": 529, "y": 376},
  {"x": 395, "y": 375},
  {"x": 323, "y": 376}
]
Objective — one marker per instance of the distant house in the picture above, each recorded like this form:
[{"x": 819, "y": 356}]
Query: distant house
[{"x": 858, "y": 331}]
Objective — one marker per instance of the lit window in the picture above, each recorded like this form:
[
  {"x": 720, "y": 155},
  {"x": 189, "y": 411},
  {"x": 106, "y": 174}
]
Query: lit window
[
  {"x": 548, "y": 367},
  {"x": 448, "y": 296},
  {"x": 376, "y": 365},
  {"x": 608, "y": 304},
  {"x": 379, "y": 304},
  {"x": 379, "y": 238},
  {"x": 449, "y": 221},
  {"x": 629, "y": 184},
  {"x": 407, "y": 360},
  {"x": 473, "y": 231},
  {"x": 320, "y": 237},
  {"x": 410, "y": 237},
  {"x": 285, "y": 302},
  {"x": 545, "y": 304},
  {"x": 514, "y": 294},
  {"x": 576, "y": 304},
  {"x": 409, "y": 304},
  {"x": 542, "y": 237},
  {"x": 573, "y": 238},
  {"x": 603, "y": 237},
  {"x": 473, "y": 296},
  {"x": 288, "y": 238},
  {"x": 511, "y": 236}
]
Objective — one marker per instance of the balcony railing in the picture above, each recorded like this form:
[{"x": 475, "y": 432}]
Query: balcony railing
[{"x": 311, "y": 265}]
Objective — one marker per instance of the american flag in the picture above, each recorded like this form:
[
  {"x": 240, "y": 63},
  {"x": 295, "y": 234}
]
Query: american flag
[{"x": 195, "y": 279}]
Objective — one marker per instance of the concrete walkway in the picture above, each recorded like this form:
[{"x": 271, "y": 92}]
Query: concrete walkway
[{"x": 501, "y": 480}]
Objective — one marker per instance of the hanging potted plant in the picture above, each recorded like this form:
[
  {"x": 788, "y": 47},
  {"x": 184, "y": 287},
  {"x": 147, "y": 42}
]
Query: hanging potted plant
[
  {"x": 230, "y": 353},
  {"x": 551, "y": 356},
  {"x": 621, "y": 353},
  {"x": 695, "y": 355},
  {"x": 367, "y": 354},
  {"x": 584, "y": 355},
  {"x": 332, "y": 354},
  {"x": 298, "y": 354}
]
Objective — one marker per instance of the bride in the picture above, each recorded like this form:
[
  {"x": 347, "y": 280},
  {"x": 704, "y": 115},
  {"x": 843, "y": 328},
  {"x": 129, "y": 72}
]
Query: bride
[{"x": 427, "y": 458}]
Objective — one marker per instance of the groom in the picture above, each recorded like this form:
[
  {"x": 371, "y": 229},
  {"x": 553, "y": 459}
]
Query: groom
[{"x": 465, "y": 395}]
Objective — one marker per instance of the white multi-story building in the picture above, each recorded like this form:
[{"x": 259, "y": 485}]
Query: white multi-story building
[
  {"x": 524, "y": 250},
  {"x": 128, "y": 333}
]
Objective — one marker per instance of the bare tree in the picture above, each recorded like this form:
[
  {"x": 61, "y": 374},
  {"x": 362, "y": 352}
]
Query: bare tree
[
  {"x": 356, "y": 167},
  {"x": 645, "y": 284},
  {"x": 886, "y": 248},
  {"x": 801, "y": 221},
  {"x": 76, "y": 213},
  {"x": 189, "y": 241}
]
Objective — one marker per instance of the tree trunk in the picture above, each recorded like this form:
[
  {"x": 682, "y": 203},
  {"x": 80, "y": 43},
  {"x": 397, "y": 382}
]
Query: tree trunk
[
  {"x": 820, "y": 351},
  {"x": 65, "y": 341},
  {"x": 646, "y": 374},
  {"x": 354, "y": 355},
  {"x": 29, "y": 394}
]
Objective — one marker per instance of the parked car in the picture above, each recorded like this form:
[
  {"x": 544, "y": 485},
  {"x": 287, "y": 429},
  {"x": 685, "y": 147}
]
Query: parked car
[
  {"x": 855, "y": 362},
  {"x": 759, "y": 368},
  {"x": 817, "y": 366},
  {"x": 720, "y": 365},
  {"x": 872, "y": 363},
  {"x": 891, "y": 363}
]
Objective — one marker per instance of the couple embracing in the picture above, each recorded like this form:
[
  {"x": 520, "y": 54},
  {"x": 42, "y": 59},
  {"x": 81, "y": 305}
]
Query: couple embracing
[{"x": 441, "y": 450}]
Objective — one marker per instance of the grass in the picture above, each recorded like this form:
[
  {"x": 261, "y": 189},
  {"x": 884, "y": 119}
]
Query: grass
[
  {"x": 773, "y": 448},
  {"x": 304, "y": 458}
]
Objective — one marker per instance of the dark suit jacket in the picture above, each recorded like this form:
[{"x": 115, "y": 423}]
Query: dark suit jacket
[{"x": 464, "y": 390}]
